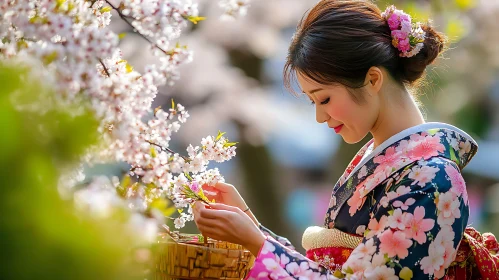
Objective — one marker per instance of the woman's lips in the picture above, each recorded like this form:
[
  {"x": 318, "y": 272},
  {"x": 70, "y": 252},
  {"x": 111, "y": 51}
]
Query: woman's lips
[{"x": 338, "y": 128}]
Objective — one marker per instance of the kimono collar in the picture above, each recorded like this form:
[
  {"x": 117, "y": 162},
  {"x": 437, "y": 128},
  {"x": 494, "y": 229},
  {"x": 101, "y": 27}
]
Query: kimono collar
[
  {"x": 464, "y": 146},
  {"x": 417, "y": 143}
]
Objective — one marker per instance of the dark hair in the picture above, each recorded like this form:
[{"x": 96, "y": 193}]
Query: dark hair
[{"x": 339, "y": 40}]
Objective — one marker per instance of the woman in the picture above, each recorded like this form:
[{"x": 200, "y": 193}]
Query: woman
[{"x": 400, "y": 209}]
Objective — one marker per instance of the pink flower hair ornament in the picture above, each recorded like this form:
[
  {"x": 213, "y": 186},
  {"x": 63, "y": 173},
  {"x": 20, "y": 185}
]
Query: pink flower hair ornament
[{"x": 407, "y": 37}]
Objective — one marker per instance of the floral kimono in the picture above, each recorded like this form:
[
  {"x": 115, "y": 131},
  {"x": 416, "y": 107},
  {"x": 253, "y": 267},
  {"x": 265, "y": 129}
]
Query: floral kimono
[{"x": 399, "y": 212}]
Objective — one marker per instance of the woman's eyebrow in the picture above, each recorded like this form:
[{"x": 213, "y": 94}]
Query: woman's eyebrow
[{"x": 313, "y": 91}]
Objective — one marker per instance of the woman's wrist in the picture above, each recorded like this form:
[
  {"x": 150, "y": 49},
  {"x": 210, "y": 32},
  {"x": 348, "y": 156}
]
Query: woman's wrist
[
  {"x": 252, "y": 216},
  {"x": 255, "y": 243}
]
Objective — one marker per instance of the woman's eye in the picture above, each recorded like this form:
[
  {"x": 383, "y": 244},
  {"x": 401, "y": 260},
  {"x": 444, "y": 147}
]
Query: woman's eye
[
  {"x": 325, "y": 101},
  {"x": 312, "y": 102}
]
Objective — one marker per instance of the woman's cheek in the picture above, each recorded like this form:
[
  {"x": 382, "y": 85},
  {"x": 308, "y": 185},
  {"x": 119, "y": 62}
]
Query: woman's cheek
[{"x": 337, "y": 112}]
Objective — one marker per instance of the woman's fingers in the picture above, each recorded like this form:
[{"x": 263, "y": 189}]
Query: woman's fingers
[
  {"x": 221, "y": 206},
  {"x": 202, "y": 211},
  {"x": 224, "y": 187},
  {"x": 214, "y": 228},
  {"x": 210, "y": 223},
  {"x": 213, "y": 193},
  {"x": 217, "y": 214},
  {"x": 217, "y": 191}
]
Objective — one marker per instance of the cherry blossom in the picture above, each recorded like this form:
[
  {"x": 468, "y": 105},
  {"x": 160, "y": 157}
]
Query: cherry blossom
[
  {"x": 397, "y": 219},
  {"x": 417, "y": 225},
  {"x": 377, "y": 227},
  {"x": 388, "y": 159},
  {"x": 425, "y": 148},
  {"x": 365, "y": 250},
  {"x": 404, "y": 205},
  {"x": 423, "y": 175},
  {"x": 381, "y": 273},
  {"x": 71, "y": 45},
  {"x": 448, "y": 207},
  {"x": 457, "y": 182},
  {"x": 394, "y": 243}
]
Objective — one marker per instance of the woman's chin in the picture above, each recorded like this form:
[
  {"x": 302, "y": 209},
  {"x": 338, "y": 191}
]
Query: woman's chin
[{"x": 351, "y": 140}]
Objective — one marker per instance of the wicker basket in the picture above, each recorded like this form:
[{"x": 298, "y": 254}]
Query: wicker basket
[{"x": 199, "y": 260}]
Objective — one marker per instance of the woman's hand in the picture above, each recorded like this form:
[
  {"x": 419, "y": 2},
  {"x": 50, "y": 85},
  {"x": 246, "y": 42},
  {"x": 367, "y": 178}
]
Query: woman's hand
[
  {"x": 228, "y": 195},
  {"x": 228, "y": 223}
]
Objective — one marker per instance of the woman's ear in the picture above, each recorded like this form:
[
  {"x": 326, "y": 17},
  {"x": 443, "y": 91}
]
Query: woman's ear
[{"x": 374, "y": 80}]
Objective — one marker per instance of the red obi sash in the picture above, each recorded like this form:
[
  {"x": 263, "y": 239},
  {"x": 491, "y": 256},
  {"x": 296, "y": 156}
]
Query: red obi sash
[
  {"x": 329, "y": 248},
  {"x": 331, "y": 258},
  {"x": 477, "y": 257}
]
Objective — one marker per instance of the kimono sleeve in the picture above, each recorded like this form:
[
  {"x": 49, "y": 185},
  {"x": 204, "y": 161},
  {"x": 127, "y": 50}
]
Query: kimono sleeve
[
  {"x": 284, "y": 241},
  {"x": 417, "y": 227},
  {"x": 275, "y": 261}
]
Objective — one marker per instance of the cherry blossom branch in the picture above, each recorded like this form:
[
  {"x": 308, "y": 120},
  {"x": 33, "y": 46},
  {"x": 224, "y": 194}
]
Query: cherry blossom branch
[
  {"x": 105, "y": 68},
  {"x": 124, "y": 18},
  {"x": 167, "y": 149}
]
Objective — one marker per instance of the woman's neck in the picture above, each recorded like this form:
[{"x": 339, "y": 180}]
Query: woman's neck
[{"x": 397, "y": 113}]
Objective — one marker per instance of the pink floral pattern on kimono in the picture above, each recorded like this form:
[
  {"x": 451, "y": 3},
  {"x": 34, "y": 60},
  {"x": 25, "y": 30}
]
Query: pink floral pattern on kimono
[{"x": 410, "y": 200}]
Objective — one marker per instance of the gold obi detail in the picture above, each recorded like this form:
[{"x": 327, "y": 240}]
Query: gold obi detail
[{"x": 320, "y": 237}]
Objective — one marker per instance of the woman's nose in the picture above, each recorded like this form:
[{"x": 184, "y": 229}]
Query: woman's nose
[{"x": 321, "y": 116}]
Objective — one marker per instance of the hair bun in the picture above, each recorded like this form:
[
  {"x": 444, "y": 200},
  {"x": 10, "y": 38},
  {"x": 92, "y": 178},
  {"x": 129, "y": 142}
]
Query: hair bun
[{"x": 413, "y": 68}]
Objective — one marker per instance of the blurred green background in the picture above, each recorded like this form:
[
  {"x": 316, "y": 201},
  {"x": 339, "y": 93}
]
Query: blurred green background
[{"x": 41, "y": 235}]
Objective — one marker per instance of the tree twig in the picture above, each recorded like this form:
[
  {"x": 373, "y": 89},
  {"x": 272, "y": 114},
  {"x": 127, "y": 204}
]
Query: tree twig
[
  {"x": 167, "y": 149},
  {"x": 124, "y": 18},
  {"x": 105, "y": 68}
]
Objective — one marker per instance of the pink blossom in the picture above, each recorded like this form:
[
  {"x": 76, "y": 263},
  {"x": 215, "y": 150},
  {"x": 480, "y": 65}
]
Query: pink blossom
[
  {"x": 417, "y": 225},
  {"x": 273, "y": 266},
  {"x": 394, "y": 21},
  {"x": 401, "y": 190},
  {"x": 357, "y": 266},
  {"x": 195, "y": 187},
  {"x": 457, "y": 182},
  {"x": 366, "y": 249},
  {"x": 355, "y": 202},
  {"x": 404, "y": 45},
  {"x": 405, "y": 17},
  {"x": 443, "y": 247},
  {"x": 448, "y": 207},
  {"x": 405, "y": 205},
  {"x": 381, "y": 273},
  {"x": 445, "y": 235},
  {"x": 390, "y": 158},
  {"x": 396, "y": 220},
  {"x": 362, "y": 172},
  {"x": 283, "y": 260},
  {"x": 435, "y": 259},
  {"x": 234, "y": 8},
  {"x": 405, "y": 145},
  {"x": 406, "y": 26},
  {"x": 373, "y": 181},
  {"x": 301, "y": 271},
  {"x": 375, "y": 227},
  {"x": 422, "y": 174},
  {"x": 399, "y": 35},
  {"x": 267, "y": 248},
  {"x": 426, "y": 148},
  {"x": 394, "y": 243},
  {"x": 360, "y": 230},
  {"x": 449, "y": 254},
  {"x": 378, "y": 260}
]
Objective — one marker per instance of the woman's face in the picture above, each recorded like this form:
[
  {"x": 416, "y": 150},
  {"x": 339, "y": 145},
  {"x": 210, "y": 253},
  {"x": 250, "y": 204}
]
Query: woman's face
[{"x": 334, "y": 106}]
